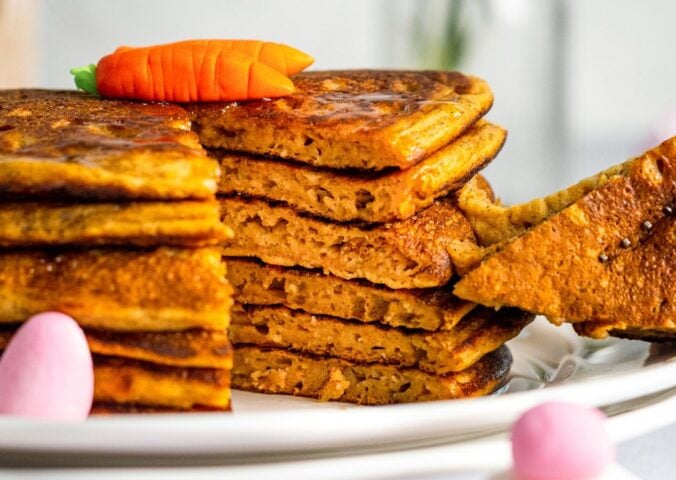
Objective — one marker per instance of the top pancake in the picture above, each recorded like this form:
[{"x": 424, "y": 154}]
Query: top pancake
[
  {"x": 363, "y": 119},
  {"x": 70, "y": 144}
]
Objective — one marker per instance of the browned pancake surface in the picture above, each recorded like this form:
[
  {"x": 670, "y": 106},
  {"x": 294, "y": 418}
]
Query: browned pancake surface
[
  {"x": 609, "y": 258},
  {"x": 185, "y": 223},
  {"x": 124, "y": 381},
  {"x": 162, "y": 371},
  {"x": 64, "y": 143},
  {"x": 160, "y": 289},
  {"x": 188, "y": 348},
  {"x": 110, "y": 408}
]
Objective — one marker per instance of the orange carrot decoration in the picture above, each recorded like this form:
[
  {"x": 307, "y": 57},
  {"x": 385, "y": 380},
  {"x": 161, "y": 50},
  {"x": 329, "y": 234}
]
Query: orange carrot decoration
[
  {"x": 195, "y": 71},
  {"x": 283, "y": 58}
]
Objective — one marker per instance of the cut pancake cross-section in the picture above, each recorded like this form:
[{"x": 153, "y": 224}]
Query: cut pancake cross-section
[
  {"x": 428, "y": 309},
  {"x": 341, "y": 200},
  {"x": 478, "y": 334},
  {"x": 347, "y": 196},
  {"x": 273, "y": 370},
  {"x": 407, "y": 254}
]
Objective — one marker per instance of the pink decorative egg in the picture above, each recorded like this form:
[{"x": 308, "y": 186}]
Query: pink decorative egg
[
  {"x": 561, "y": 441},
  {"x": 46, "y": 370}
]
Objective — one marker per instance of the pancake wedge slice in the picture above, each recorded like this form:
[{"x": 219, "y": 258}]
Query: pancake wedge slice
[
  {"x": 158, "y": 289},
  {"x": 358, "y": 196},
  {"x": 622, "y": 329},
  {"x": 255, "y": 283},
  {"x": 481, "y": 332},
  {"x": 142, "y": 224},
  {"x": 268, "y": 370},
  {"x": 411, "y": 253},
  {"x": 495, "y": 223},
  {"x": 608, "y": 258},
  {"x": 363, "y": 119}
]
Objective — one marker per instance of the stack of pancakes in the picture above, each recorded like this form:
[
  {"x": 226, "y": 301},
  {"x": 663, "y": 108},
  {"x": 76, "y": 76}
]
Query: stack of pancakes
[
  {"x": 108, "y": 215},
  {"x": 341, "y": 199}
]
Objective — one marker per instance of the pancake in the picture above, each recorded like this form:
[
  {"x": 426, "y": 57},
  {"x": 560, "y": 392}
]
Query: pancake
[
  {"x": 608, "y": 258},
  {"x": 158, "y": 370},
  {"x": 189, "y": 348},
  {"x": 363, "y": 119},
  {"x": 160, "y": 289},
  {"x": 108, "y": 408},
  {"x": 185, "y": 223},
  {"x": 481, "y": 332},
  {"x": 269, "y": 370},
  {"x": 384, "y": 197},
  {"x": 618, "y": 328},
  {"x": 60, "y": 144},
  {"x": 129, "y": 386},
  {"x": 407, "y": 254},
  {"x": 124, "y": 381},
  {"x": 309, "y": 290}
]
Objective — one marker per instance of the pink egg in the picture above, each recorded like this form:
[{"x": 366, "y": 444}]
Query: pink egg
[
  {"x": 46, "y": 370},
  {"x": 561, "y": 441}
]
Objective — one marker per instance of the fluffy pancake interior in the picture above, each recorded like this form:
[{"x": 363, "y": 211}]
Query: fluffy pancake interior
[
  {"x": 311, "y": 291},
  {"x": 411, "y": 253},
  {"x": 482, "y": 331}
]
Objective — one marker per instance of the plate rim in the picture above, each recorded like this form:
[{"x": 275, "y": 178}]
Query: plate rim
[{"x": 19, "y": 434}]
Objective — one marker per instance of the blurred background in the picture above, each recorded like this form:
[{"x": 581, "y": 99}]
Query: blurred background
[{"x": 580, "y": 85}]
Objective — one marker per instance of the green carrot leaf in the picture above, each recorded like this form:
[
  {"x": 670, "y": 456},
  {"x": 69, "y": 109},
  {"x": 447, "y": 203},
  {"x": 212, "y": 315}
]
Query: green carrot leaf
[{"x": 85, "y": 78}]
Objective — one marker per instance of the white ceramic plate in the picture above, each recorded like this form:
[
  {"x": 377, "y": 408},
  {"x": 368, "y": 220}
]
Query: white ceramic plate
[
  {"x": 488, "y": 458},
  {"x": 550, "y": 363}
]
